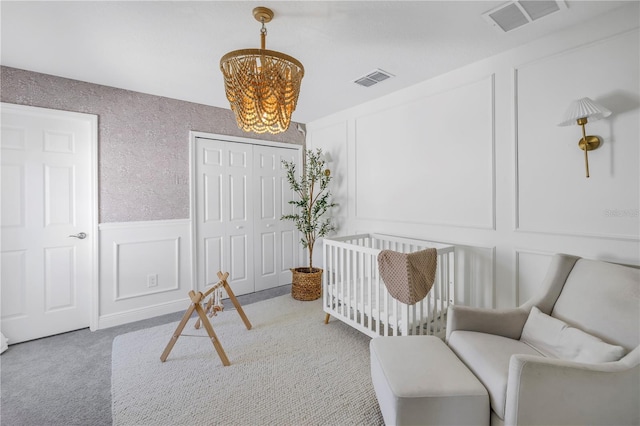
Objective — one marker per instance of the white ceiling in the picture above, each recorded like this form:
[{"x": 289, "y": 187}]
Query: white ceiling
[{"x": 173, "y": 48}]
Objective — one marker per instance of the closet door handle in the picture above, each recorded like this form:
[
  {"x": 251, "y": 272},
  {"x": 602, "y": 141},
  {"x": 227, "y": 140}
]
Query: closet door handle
[
  {"x": 238, "y": 227},
  {"x": 268, "y": 225}
]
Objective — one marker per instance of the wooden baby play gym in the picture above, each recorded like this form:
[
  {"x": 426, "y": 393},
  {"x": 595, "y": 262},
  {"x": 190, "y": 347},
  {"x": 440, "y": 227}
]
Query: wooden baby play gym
[{"x": 213, "y": 305}]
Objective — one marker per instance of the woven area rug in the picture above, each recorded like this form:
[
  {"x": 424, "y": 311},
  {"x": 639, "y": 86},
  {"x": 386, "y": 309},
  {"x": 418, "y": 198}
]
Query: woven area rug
[{"x": 289, "y": 369}]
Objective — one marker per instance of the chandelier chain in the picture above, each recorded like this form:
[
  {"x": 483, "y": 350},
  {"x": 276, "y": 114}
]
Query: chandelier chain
[
  {"x": 263, "y": 30},
  {"x": 263, "y": 35}
]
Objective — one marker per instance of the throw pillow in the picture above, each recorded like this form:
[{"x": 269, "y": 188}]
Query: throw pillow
[{"x": 555, "y": 338}]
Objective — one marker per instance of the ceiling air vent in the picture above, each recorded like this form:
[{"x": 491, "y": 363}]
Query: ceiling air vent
[
  {"x": 372, "y": 78},
  {"x": 515, "y": 14}
]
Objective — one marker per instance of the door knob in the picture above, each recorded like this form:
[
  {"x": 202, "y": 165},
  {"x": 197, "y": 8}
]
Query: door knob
[
  {"x": 268, "y": 225},
  {"x": 80, "y": 236},
  {"x": 238, "y": 227}
]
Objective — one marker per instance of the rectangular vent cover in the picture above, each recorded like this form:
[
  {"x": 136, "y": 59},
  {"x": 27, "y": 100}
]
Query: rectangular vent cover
[
  {"x": 372, "y": 78},
  {"x": 515, "y": 14}
]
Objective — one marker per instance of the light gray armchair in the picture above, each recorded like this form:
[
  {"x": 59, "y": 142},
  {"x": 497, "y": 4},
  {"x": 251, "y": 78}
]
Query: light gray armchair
[{"x": 569, "y": 356}]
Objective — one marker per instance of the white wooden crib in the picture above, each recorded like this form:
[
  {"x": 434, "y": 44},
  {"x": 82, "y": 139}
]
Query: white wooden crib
[{"x": 353, "y": 291}]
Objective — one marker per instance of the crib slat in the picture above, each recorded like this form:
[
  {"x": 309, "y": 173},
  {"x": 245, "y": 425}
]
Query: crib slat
[
  {"x": 325, "y": 297},
  {"x": 445, "y": 284},
  {"x": 437, "y": 312},
  {"x": 341, "y": 282},
  {"x": 349, "y": 301},
  {"x": 385, "y": 312},
  {"x": 370, "y": 300},
  {"x": 361, "y": 286},
  {"x": 406, "y": 325},
  {"x": 353, "y": 278},
  {"x": 443, "y": 301}
]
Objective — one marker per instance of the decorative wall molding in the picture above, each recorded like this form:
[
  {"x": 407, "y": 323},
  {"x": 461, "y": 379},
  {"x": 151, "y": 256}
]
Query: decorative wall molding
[
  {"x": 584, "y": 234},
  {"x": 161, "y": 255},
  {"x": 587, "y": 45},
  {"x": 523, "y": 291},
  {"x": 142, "y": 313},
  {"x": 142, "y": 224},
  {"x": 549, "y": 166},
  {"x": 334, "y": 138},
  {"x": 420, "y": 190},
  {"x": 475, "y": 276},
  {"x": 504, "y": 259},
  {"x": 146, "y": 269}
]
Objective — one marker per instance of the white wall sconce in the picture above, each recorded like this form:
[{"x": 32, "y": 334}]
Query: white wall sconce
[
  {"x": 580, "y": 112},
  {"x": 326, "y": 157}
]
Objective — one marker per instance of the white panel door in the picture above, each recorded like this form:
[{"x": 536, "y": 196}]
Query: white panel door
[
  {"x": 47, "y": 221},
  {"x": 224, "y": 213},
  {"x": 239, "y": 221},
  {"x": 275, "y": 248}
]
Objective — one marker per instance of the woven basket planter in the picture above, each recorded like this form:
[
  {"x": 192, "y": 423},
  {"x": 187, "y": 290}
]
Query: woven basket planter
[{"x": 306, "y": 285}]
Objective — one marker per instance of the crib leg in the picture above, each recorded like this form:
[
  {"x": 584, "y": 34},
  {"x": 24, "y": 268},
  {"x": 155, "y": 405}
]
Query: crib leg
[{"x": 326, "y": 318}]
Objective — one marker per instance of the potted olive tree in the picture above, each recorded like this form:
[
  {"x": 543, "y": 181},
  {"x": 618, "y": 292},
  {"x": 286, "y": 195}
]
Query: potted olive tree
[{"x": 312, "y": 202}]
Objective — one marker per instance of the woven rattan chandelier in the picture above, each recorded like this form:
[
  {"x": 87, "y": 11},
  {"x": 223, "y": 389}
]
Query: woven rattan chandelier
[{"x": 262, "y": 86}]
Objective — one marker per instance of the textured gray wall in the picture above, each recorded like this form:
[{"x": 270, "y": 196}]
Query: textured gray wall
[{"x": 143, "y": 140}]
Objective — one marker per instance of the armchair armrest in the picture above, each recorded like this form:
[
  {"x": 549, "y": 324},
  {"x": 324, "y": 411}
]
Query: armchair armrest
[
  {"x": 503, "y": 322},
  {"x": 547, "y": 391}
]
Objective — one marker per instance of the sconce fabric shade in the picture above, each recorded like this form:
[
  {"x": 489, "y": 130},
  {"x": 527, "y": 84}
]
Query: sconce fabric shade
[
  {"x": 584, "y": 108},
  {"x": 262, "y": 86}
]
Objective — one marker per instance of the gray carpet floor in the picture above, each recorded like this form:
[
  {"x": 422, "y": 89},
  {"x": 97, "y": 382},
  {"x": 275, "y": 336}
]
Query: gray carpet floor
[{"x": 66, "y": 379}]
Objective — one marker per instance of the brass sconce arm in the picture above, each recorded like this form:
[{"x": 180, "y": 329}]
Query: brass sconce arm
[{"x": 587, "y": 143}]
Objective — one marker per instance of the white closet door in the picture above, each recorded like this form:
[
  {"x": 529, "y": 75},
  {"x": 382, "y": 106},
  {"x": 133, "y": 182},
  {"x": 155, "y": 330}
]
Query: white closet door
[
  {"x": 275, "y": 248},
  {"x": 241, "y": 192},
  {"x": 224, "y": 214}
]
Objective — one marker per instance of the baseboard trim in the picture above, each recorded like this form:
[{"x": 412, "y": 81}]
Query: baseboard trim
[
  {"x": 120, "y": 318},
  {"x": 143, "y": 224}
]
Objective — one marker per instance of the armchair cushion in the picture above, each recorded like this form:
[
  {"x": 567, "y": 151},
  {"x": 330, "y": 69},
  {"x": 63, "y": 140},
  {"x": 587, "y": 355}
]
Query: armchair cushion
[
  {"x": 602, "y": 299},
  {"x": 555, "y": 338},
  {"x": 504, "y": 322},
  {"x": 487, "y": 356}
]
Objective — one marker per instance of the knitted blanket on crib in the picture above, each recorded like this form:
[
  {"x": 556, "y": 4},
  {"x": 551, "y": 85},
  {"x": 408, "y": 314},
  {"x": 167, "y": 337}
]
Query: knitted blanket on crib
[{"x": 408, "y": 276}]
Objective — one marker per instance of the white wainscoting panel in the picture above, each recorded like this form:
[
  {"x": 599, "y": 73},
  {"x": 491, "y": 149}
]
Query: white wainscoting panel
[
  {"x": 531, "y": 268},
  {"x": 145, "y": 270},
  {"x": 137, "y": 274},
  {"x": 475, "y": 271},
  {"x": 333, "y": 141},
  {"x": 550, "y": 166},
  {"x": 429, "y": 160}
]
